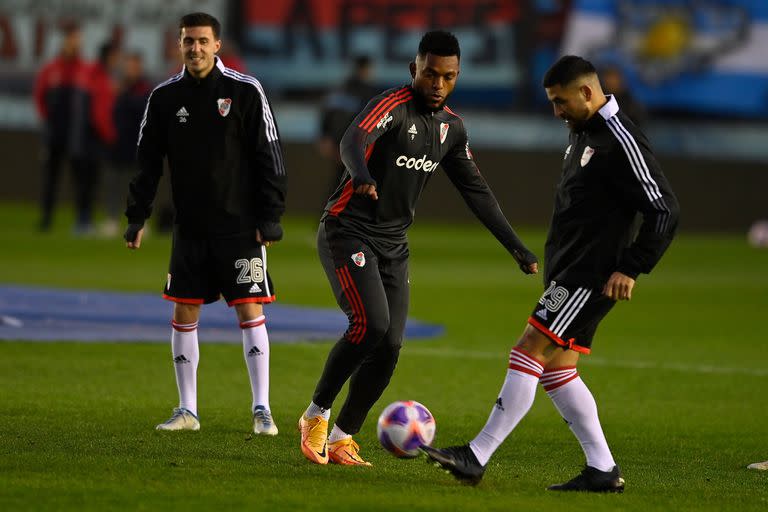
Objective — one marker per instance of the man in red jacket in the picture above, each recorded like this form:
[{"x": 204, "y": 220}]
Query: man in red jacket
[
  {"x": 57, "y": 87},
  {"x": 74, "y": 100}
]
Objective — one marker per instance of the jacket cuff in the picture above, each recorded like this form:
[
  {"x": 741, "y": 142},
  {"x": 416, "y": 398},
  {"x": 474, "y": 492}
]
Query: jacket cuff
[
  {"x": 628, "y": 271},
  {"x": 268, "y": 217},
  {"x": 363, "y": 180}
]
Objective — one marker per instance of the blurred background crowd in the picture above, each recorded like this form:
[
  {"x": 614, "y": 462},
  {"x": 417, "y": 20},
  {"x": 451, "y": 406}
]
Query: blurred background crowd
[{"x": 75, "y": 75}]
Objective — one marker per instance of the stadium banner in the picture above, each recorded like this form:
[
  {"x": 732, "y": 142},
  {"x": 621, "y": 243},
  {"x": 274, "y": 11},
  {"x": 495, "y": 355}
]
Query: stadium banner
[
  {"x": 29, "y": 35},
  {"x": 705, "y": 56},
  {"x": 310, "y": 43}
]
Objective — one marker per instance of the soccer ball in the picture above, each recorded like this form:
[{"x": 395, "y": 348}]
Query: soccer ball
[
  {"x": 758, "y": 234},
  {"x": 404, "y": 426}
]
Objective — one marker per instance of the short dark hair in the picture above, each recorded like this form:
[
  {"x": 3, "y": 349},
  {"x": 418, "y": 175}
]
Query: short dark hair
[
  {"x": 200, "y": 19},
  {"x": 567, "y": 69},
  {"x": 439, "y": 42}
]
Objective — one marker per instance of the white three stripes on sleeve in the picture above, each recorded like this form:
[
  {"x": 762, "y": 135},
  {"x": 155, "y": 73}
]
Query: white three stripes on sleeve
[
  {"x": 269, "y": 121},
  {"x": 640, "y": 169}
]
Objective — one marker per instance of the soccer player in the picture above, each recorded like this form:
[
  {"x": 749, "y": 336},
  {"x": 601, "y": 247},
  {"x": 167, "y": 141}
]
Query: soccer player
[
  {"x": 216, "y": 129},
  {"x": 592, "y": 258},
  {"x": 390, "y": 152}
]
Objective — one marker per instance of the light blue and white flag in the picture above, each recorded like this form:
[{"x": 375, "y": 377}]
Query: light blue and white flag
[{"x": 705, "y": 56}]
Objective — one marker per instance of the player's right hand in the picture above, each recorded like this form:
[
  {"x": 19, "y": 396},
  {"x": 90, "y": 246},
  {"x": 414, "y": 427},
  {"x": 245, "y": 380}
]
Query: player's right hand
[
  {"x": 133, "y": 235},
  {"x": 619, "y": 287},
  {"x": 527, "y": 261}
]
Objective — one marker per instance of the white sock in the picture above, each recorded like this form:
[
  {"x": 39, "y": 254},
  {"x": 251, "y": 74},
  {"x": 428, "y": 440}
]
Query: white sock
[
  {"x": 256, "y": 352},
  {"x": 186, "y": 356},
  {"x": 337, "y": 434},
  {"x": 314, "y": 410},
  {"x": 577, "y": 406},
  {"x": 514, "y": 402}
]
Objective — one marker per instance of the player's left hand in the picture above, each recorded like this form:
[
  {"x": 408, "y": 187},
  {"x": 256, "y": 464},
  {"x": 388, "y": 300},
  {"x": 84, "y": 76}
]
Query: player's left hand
[
  {"x": 133, "y": 235},
  {"x": 619, "y": 287},
  {"x": 367, "y": 190},
  {"x": 269, "y": 232},
  {"x": 261, "y": 240}
]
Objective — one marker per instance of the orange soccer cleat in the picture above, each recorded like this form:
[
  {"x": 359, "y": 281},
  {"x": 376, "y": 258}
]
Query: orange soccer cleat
[
  {"x": 314, "y": 438},
  {"x": 346, "y": 452}
]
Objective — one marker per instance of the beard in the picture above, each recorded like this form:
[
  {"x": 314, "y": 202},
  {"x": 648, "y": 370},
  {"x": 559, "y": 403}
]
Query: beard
[{"x": 576, "y": 123}]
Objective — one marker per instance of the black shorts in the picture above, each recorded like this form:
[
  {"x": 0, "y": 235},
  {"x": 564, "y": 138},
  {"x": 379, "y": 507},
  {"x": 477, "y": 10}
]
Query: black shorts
[
  {"x": 569, "y": 315},
  {"x": 202, "y": 269}
]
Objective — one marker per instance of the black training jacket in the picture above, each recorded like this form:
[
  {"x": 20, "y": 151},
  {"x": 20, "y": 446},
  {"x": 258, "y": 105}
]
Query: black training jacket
[
  {"x": 396, "y": 143},
  {"x": 223, "y": 150},
  {"x": 609, "y": 177}
]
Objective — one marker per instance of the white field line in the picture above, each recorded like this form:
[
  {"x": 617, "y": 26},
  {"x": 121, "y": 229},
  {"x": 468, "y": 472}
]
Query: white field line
[{"x": 592, "y": 361}]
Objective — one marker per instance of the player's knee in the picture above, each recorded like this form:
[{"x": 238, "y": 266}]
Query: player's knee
[
  {"x": 392, "y": 341},
  {"x": 376, "y": 328},
  {"x": 387, "y": 354},
  {"x": 393, "y": 354},
  {"x": 535, "y": 343},
  {"x": 186, "y": 313},
  {"x": 248, "y": 311},
  {"x": 369, "y": 329}
]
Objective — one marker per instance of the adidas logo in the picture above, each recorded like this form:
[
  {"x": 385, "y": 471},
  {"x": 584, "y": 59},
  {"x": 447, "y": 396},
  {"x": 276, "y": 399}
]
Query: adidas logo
[
  {"x": 255, "y": 288},
  {"x": 412, "y": 131},
  {"x": 182, "y": 115},
  {"x": 181, "y": 359},
  {"x": 384, "y": 121},
  {"x": 254, "y": 352},
  {"x": 542, "y": 313},
  {"x": 499, "y": 404}
]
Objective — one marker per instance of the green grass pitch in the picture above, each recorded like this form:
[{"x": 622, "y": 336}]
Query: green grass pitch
[{"x": 680, "y": 375}]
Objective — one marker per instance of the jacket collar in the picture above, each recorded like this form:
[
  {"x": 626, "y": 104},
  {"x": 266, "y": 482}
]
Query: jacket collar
[
  {"x": 211, "y": 78},
  {"x": 610, "y": 109},
  {"x": 607, "y": 111}
]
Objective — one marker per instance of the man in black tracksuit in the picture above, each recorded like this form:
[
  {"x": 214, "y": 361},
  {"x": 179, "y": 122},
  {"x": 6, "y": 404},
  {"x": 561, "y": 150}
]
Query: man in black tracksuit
[
  {"x": 593, "y": 256},
  {"x": 217, "y": 130},
  {"x": 390, "y": 151}
]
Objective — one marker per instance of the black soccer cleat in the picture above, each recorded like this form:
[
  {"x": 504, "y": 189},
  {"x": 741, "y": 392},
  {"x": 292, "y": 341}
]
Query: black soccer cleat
[
  {"x": 460, "y": 461},
  {"x": 593, "y": 480}
]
